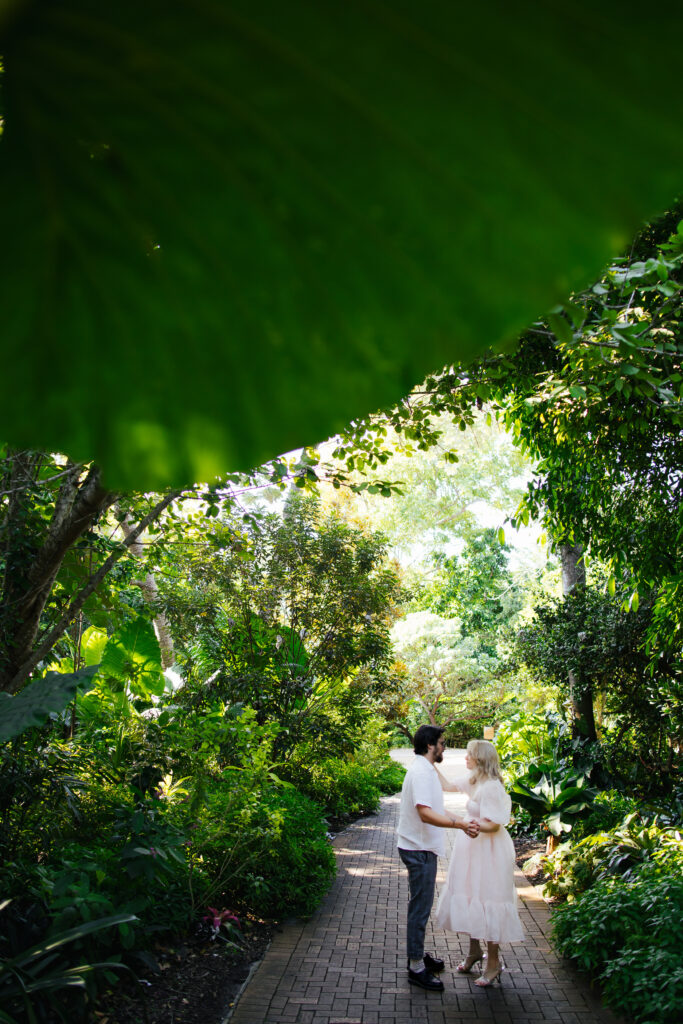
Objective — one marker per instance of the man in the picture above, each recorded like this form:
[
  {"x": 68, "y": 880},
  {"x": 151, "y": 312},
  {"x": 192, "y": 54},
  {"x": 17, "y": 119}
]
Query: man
[{"x": 420, "y": 842}]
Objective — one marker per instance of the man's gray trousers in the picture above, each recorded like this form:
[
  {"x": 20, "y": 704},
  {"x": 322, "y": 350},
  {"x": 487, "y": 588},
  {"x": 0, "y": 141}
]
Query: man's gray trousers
[{"x": 421, "y": 866}]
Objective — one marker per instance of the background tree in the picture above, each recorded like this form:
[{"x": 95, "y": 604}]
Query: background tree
[
  {"x": 443, "y": 672},
  {"x": 285, "y": 613},
  {"x": 590, "y": 634},
  {"x": 63, "y": 538},
  {"x": 443, "y": 482},
  {"x": 478, "y": 587}
]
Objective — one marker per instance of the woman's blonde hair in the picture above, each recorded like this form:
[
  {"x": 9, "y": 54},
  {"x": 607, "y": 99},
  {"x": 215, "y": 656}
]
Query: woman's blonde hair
[{"x": 485, "y": 757}]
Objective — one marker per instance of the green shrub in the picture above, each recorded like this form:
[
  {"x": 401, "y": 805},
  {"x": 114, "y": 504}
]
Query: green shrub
[
  {"x": 397, "y": 738},
  {"x": 620, "y": 851},
  {"x": 608, "y": 810},
  {"x": 142, "y": 869},
  {"x": 295, "y": 863},
  {"x": 371, "y": 751},
  {"x": 41, "y": 790},
  {"x": 554, "y": 797},
  {"x": 460, "y": 731},
  {"x": 38, "y": 981},
  {"x": 338, "y": 786},
  {"x": 523, "y": 738},
  {"x": 626, "y": 933},
  {"x": 389, "y": 779},
  {"x": 263, "y": 847},
  {"x": 354, "y": 789},
  {"x": 522, "y": 824}
]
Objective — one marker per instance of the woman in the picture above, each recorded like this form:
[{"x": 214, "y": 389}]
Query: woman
[{"x": 480, "y": 897}]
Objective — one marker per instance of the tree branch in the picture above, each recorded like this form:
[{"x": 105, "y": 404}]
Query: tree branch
[
  {"x": 402, "y": 728},
  {"x": 75, "y": 511},
  {"x": 51, "y": 638}
]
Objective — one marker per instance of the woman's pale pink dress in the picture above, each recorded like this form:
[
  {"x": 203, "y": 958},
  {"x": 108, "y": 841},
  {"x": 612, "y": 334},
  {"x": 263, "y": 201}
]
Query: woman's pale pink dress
[{"x": 480, "y": 896}]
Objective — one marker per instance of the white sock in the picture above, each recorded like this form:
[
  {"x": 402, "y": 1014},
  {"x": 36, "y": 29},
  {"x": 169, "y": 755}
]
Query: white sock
[{"x": 417, "y": 965}]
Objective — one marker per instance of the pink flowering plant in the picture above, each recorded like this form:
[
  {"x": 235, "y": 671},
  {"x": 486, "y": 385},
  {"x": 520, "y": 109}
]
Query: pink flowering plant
[{"x": 218, "y": 919}]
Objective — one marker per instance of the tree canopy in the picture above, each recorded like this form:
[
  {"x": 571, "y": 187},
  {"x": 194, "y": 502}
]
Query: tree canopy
[{"x": 279, "y": 610}]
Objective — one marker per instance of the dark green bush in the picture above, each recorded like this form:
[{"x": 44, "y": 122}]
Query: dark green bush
[
  {"x": 39, "y": 982},
  {"x": 627, "y": 932},
  {"x": 338, "y": 786},
  {"x": 41, "y": 790},
  {"x": 624, "y": 850},
  {"x": 522, "y": 824},
  {"x": 390, "y": 778},
  {"x": 143, "y": 869},
  {"x": 265, "y": 848},
  {"x": 295, "y": 863},
  {"x": 608, "y": 810},
  {"x": 461, "y": 731}
]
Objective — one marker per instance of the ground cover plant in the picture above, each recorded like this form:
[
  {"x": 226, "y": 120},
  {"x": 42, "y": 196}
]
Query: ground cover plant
[{"x": 623, "y": 930}]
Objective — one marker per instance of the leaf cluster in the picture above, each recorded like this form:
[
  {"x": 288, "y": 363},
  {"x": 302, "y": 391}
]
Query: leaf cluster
[{"x": 622, "y": 931}]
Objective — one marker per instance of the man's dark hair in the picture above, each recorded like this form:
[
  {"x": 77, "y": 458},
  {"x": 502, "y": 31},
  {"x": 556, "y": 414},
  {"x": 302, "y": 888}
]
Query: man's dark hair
[{"x": 426, "y": 736}]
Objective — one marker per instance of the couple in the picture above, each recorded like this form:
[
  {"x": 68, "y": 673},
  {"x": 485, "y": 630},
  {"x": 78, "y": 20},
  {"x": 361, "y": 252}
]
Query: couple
[{"x": 480, "y": 897}]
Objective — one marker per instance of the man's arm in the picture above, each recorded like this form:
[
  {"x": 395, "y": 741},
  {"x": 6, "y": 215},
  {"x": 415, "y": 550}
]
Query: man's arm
[{"x": 431, "y": 817}]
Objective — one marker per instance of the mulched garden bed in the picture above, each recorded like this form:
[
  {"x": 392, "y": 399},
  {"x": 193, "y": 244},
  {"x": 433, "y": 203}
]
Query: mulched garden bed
[
  {"x": 526, "y": 847},
  {"x": 194, "y": 982}
]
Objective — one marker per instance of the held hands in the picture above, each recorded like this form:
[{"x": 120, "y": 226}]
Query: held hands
[{"x": 471, "y": 828}]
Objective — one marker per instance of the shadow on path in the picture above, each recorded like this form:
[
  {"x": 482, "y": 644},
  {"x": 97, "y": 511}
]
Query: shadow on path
[{"x": 347, "y": 965}]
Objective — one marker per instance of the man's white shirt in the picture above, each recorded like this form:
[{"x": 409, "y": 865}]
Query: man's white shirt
[{"x": 420, "y": 786}]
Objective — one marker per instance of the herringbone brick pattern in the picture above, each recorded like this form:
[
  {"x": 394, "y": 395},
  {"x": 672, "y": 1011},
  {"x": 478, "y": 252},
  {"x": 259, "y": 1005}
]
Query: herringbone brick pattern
[{"x": 347, "y": 964}]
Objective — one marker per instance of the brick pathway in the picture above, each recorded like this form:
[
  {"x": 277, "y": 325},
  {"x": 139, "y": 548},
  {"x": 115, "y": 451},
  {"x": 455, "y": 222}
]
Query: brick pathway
[{"x": 347, "y": 963}]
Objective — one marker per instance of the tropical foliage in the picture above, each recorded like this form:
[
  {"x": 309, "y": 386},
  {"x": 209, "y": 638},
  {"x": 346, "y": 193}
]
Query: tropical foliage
[
  {"x": 623, "y": 931},
  {"x": 137, "y": 801}
]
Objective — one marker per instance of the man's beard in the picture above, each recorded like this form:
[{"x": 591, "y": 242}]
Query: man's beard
[{"x": 439, "y": 758}]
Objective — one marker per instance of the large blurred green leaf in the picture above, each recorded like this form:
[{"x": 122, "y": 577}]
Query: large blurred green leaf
[
  {"x": 39, "y": 699},
  {"x": 228, "y": 227}
]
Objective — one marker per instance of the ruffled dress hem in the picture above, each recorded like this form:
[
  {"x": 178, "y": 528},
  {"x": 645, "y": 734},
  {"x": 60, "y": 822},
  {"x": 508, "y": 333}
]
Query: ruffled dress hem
[{"x": 487, "y": 921}]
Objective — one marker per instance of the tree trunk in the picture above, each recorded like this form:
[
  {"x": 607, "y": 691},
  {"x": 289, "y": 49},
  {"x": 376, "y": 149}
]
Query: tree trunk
[
  {"x": 31, "y": 565},
  {"x": 34, "y": 550},
  {"x": 580, "y": 691},
  {"x": 47, "y": 642},
  {"x": 551, "y": 844},
  {"x": 404, "y": 729},
  {"x": 150, "y": 592},
  {"x": 430, "y": 710}
]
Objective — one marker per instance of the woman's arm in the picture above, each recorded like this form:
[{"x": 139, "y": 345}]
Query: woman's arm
[
  {"x": 448, "y": 787},
  {"x": 486, "y": 825},
  {"x": 431, "y": 817}
]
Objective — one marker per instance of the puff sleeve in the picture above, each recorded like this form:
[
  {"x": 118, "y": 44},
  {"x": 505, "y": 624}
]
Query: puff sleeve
[{"x": 494, "y": 803}]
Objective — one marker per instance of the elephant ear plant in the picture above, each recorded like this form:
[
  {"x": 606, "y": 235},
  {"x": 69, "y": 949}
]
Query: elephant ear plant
[{"x": 554, "y": 798}]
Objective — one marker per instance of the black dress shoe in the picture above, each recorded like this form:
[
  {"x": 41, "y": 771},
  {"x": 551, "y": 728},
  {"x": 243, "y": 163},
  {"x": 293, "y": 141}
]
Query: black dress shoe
[
  {"x": 425, "y": 980},
  {"x": 433, "y": 965}
]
